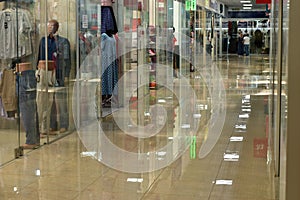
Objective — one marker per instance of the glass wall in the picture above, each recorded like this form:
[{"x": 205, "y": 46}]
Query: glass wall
[
  {"x": 36, "y": 74},
  {"x": 278, "y": 103}
]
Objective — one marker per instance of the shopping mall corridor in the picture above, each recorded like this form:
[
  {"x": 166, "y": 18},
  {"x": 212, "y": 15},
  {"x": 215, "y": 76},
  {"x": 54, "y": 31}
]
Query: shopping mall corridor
[{"x": 226, "y": 158}]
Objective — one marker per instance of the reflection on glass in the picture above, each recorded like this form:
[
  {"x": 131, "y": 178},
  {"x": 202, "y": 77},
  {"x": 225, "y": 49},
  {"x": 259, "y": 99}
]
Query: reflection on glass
[
  {"x": 231, "y": 157},
  {"x": 224, "y": 182},
  {"x": 236, "y": 139}
]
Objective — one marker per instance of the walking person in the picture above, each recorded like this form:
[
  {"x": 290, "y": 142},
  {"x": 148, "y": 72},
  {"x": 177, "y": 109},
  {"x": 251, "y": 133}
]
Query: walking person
[{"x": 246, "y": 43}]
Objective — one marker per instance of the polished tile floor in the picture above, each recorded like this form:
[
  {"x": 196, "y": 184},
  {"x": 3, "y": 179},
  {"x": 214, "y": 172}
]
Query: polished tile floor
[{"x": 211, "y": 146}]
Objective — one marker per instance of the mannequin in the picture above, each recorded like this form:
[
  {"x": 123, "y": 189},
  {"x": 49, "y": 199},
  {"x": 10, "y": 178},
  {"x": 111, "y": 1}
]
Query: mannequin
[
  {"x": 26, "y": 82},
  {"x": 109, "y": 67},
  {"x": 59, "y": 65}
]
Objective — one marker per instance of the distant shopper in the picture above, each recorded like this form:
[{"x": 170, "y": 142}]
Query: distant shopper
[
  {"x": 246, "y": 44},
  {"x": 258, "y": 40},
  {"x": 240, "y": 44}
]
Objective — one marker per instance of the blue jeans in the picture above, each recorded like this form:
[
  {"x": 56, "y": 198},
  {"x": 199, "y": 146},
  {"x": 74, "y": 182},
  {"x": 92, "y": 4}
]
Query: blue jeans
[
  {"x": 247, "y": 47},
  {"x": 26, "y": 91}
]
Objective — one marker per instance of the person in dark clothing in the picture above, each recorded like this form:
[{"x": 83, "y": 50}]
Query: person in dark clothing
[{"x": 240, "y": 44}]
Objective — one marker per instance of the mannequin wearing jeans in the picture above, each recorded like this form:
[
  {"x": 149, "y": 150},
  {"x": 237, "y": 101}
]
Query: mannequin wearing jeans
[{"x": 26, "y": 82}]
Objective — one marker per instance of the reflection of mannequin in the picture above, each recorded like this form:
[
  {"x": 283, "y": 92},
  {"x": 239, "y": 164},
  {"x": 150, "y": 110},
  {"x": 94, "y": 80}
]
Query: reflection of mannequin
[
  {"x": 59, "y": 53},
  {"x": 109, "y": 66},
  {"x": 108, "y": 20}
]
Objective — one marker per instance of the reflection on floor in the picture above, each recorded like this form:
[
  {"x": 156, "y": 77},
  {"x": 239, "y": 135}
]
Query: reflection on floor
[{"x": 232, "y": 164}]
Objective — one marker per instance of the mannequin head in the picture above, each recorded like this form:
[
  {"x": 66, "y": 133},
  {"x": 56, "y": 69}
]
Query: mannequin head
[{"x": 52, "y": 26}]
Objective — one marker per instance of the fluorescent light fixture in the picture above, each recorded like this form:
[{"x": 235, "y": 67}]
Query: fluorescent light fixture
[
  {"x": 231, "y": 157},
  {"x": 161, "y": 101},
  {"x": 246, "y": 106},
  {"x": 185, "y": 126},
  {"x": 202, "y": 106},
  {"x": 247, "y": 5},
  {"x": 244, "y": 116},
  {"x": 246, "y": 110},
  {"x": 38, "y": 172},
  {"x": 135, "y": 180},
  {"x": 236, "y": 139},
  {"x": 247, "y": 8},
  {"x": 248, "y": 1},
  {"x": 197, "y": 116},
  {"x": 241, "y": 126},
  {"x": 223, "y": 182},
  {"x": 161, "y": 153},
  {"x": 247, "y": 96},
  {"x": 245, "y": 101},
  {"x": 170, "y": 138}
]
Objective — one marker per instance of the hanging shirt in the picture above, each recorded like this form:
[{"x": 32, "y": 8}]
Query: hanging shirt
[{"x": 15, "y": 34}]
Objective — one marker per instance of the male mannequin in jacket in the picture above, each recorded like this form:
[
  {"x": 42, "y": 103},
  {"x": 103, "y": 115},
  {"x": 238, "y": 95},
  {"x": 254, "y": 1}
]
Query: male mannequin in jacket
[{"x": 59, "y": 52}]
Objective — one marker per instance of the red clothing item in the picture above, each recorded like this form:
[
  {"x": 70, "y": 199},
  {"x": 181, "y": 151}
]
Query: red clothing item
[{"x": 174, "y": 41}]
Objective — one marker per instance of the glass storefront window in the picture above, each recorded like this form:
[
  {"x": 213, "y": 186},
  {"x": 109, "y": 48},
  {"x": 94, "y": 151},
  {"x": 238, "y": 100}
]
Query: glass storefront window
[{"x": 38, "y": 73}]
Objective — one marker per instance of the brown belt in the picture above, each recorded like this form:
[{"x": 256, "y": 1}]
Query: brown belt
[
  {"x": 42, "y": 65},
  {"x": 20, "y": 67}
]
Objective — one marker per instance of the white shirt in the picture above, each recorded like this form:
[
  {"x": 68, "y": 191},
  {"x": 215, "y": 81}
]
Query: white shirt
[{"x": 246, "y": 40}]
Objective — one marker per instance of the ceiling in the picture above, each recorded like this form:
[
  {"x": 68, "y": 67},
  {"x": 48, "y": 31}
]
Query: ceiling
[{"x": 237, "y": 5}]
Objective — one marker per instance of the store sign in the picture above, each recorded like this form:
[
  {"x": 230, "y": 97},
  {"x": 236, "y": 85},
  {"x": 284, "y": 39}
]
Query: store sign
[
  {"x": 190, "y": 5},
  {"x": 263, "y": 1}
]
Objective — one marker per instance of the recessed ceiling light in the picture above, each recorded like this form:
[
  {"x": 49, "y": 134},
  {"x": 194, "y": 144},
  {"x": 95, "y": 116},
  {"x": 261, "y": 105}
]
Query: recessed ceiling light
[{"x": 246, "y": 1}]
